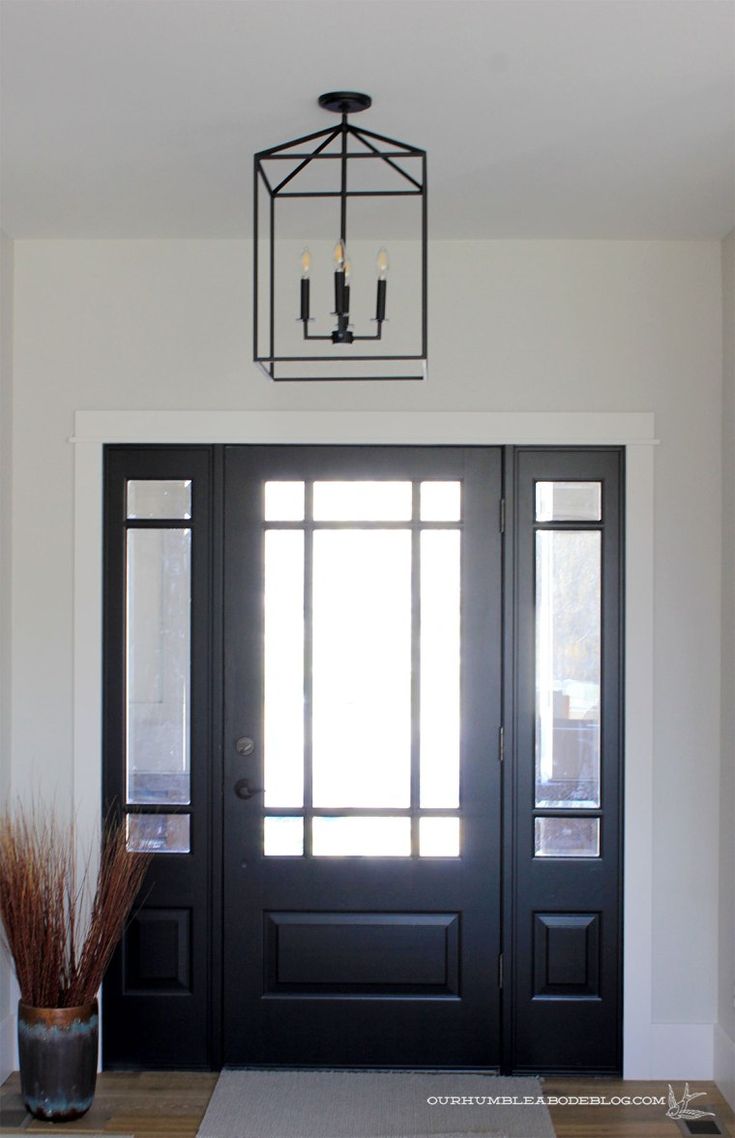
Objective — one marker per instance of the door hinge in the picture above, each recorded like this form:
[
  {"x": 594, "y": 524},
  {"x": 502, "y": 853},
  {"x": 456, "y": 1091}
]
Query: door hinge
[
  {"x": 500, "y": 970},
  {"x": 502, "y": 515},
  {"x": 501, "y": 744}
]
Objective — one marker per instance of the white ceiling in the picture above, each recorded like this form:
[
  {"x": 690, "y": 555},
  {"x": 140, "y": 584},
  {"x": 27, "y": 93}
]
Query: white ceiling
[{"x": 542, "y": 118}]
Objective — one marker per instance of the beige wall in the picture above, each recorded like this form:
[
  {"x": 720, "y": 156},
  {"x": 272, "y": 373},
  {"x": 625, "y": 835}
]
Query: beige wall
[
  {"x": 514, "y": 326},
  {"x": 726, "y": 1004}
]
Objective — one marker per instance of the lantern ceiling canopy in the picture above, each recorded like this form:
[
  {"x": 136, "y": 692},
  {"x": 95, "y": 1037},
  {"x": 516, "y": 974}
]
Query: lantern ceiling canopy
[{"x": 325, "y": 207}]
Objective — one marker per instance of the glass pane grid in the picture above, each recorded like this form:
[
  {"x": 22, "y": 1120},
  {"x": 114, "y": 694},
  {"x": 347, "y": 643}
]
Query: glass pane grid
[
  {"x": 568, "y": 668},
  {"x": 362, "y": 501},
  {"x": 158, "y": 833},
  {"x": 283, "y": 837},
  {"x": 353, "y": 544},
  {"x": 158, "y": 498},
  {"x": 441, "y": 501},
  {"x": 568, "y": 501},
  {"x": 157, "y": 651},
  {"x": 439, "y": 837},
  {"x": 283, "y": 651},
  {"x": 365, "y": 835},
  {"x": 361, "y": 740},
  {"x": 439, "y": 720},
  {"x": 566, "y": 837},
  {"x": 284, "y": 501}
]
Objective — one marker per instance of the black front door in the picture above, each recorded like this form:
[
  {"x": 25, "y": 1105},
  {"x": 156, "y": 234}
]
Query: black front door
[
  {"x": 362, "y": 691},
  {"x": 304, "y": 723}
]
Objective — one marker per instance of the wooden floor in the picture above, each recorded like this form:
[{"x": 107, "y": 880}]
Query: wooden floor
[
  {"x": 171, "y": 1105},
  {"x": 628, "y": 1121}
]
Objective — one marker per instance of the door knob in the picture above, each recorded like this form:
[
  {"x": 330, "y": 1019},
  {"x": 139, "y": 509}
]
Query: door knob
[{"x": 244, "y": 788}]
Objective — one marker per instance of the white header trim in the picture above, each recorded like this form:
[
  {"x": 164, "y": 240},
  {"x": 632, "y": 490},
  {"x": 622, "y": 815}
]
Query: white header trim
[{"x": 480, "y": 428}]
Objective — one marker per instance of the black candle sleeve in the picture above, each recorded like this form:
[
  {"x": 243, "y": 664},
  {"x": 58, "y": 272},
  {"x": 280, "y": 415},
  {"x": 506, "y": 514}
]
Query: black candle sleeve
[
  {"x": 346, "y": 299},
  {"x": 305, "y": 282},
  {"x": 380, "y": 302},
  {"x": 339, "y": 292}
]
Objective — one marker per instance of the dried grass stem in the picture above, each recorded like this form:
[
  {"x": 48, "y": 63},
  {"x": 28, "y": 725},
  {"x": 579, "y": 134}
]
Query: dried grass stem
[{"x": 60, "y": 939}]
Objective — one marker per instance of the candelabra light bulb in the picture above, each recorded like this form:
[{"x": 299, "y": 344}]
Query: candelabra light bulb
[
  {"x": 305, "y": 264},
  {"x": 340, "y": 255},
  {"x": 383, "y": 264},
  {"x": 347, "y": 270}
]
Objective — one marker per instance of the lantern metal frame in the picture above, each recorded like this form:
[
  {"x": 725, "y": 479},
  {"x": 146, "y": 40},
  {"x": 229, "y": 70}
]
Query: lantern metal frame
[{"x": 313, "y": 148}]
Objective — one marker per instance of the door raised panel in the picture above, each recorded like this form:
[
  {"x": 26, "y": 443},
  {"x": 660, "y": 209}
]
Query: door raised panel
[
  {"x": 158, "y": 952},
  {"x": 363, "y": 953},
  {"x": 566, "y": 952}
]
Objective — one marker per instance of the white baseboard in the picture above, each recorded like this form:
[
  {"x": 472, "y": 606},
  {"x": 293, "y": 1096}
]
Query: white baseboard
[
  {"x": 724, "y": 1072},
  {"x": 8, "y": 1046},
  {"x": 682, "y": 1051},
  {"x": 670, "y": 1051}
]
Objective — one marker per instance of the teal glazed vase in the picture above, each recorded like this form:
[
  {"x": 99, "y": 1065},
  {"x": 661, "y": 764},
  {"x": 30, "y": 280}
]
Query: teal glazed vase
[{"x": 57, "y": 1049}]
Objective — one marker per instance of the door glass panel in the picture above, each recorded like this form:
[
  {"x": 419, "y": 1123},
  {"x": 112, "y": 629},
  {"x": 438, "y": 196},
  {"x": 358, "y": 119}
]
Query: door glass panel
[
  {"x": 361, "y": 836},
  {"x": 441, "y": 501},
  {"x": 284, "y": 502},
  {"x": 283, "y": 837},
  {"x": 159, "y": 498},
  {"x": 439, "y": 837},
  {"x": 283, "y": 743},
  {"x": 440, "y": 654},
  {"x": 159, "y": 833},
  {"x": 568, "y": 613},
  {"x": 361, "y": 695},
  {"x": 158, "y": 632},
  {"x": 567, "y": 837},
  {"x": 362, "y": 501},
  {"x": 568, "y": 501}
]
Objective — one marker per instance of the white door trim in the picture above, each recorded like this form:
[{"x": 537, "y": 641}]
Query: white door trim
[{"x": 634, "y": 430}]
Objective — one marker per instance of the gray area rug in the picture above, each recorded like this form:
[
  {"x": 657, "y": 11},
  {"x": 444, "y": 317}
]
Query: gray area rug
[{"x": 372, "y": 1104}]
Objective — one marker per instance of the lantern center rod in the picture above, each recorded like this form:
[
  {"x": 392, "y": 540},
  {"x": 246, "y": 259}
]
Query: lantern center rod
[
  {"x": 344, "y": 103},
  {"x": 343, "y": 191}
]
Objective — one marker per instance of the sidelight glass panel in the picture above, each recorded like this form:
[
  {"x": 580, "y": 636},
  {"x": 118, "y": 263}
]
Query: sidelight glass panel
[
  {"x": 361, "y": 837},
  {"x": 566, "y": 837},
  {"x": 568, "y": 598},
  {"x": 159, "y": 833},
  {"x": 283, "y": 743},
  {"x": 283, "y": 837},
  {"x": 284, "y": 501},
  {"x": 440, "y": 671},
  {"x": 439, "y": 837},
  {"x": 362, "y": 501},
  {"x": 441, "y": 501},
  {"x": 568, "y": 501},
  {"x": 159, "y": 498},
  {"x": 158, "y": 634},
  {"x": 361, "y": 695}
]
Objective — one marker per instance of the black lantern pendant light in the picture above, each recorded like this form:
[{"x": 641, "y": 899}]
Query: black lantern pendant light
[{"x": 311, "y": 196}]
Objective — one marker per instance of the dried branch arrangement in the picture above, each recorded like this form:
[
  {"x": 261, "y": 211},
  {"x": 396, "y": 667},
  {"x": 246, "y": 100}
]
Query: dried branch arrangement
[{"x": 60, "y": 937}]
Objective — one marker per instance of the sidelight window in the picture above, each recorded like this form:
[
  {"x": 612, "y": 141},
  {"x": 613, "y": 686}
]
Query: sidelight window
[
  {"x": 568, "y": 600},
  {"x": 158, "y": 663}
]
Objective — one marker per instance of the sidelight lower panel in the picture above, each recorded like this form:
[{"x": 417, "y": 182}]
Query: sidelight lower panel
[{"x": 566, "y": 955}]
